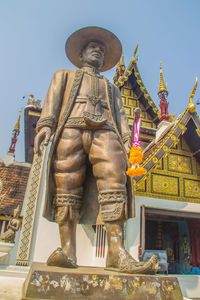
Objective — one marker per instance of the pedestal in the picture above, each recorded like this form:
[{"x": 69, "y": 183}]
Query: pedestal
[
  {"x": 45, "y": 282},
  {"x": 5, "y": 249}
]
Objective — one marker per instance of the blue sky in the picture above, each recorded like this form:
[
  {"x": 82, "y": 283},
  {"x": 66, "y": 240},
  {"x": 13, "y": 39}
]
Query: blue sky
[{"x": 33, "y": 35}]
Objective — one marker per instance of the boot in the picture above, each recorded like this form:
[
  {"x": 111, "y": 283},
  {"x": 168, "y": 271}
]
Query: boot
[
  {"x": 66, "y": 256},
  {"x": 120, "y": 260}
]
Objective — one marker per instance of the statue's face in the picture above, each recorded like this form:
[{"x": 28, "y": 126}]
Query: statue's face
[{"x": 93, "y": 55}]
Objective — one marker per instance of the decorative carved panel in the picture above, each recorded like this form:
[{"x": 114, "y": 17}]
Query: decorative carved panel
[
  {"x": 163, "y": 184},
  {"x": 191, "y": 188},
  {"x": 132, "y": 102},
  {"x": 175, "y": 146},
  {"x": 128, "y": 111},
  {"x": 126, "y": 92},
  {"x": 149, "y": 117},
  {"x": 179, "y": 163},
  {"x": 184, "y": 146},
  {"x": 141, "y": 106},
  {"x": 198, "y": 168},
  {"x": 128, "y": 84},
  {"x": 146, "y": 124},
  {"x": 130, "y": 120},
  {"x": 143, "y": 114},
  {"x": 124, "y": 100},
  {"x": 135, "y": 95},
  {"x": 142, "y": 186},
  {"x": 159, "y": 165}
]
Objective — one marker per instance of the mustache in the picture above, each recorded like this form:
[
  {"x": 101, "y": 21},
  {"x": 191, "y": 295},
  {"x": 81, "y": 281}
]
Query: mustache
[{"x": 96, "y": 52}]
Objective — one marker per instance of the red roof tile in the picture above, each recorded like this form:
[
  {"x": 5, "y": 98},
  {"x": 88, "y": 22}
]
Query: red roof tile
[{"x": 13, "y": 181}]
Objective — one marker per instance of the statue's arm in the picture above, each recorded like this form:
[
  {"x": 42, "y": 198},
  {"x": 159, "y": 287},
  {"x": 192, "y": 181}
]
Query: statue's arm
[
  {"x": 121, "y": 119},
  {"x": 47, "y": 123},
  {"x": 52, "y": 105}
]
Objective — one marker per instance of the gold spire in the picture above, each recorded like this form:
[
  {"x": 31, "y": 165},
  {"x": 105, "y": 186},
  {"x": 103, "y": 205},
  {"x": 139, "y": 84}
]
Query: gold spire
[
  {"x": 116, "y": 76},
  {"x": 191, "y": 105},
  {"x": 118, "y": 66},
  {"x": 17, "y": 125},
  {"x": 135, "y": 52},
  {"x": 122, "y": 61},
  {"x": 162, "y": 86}
]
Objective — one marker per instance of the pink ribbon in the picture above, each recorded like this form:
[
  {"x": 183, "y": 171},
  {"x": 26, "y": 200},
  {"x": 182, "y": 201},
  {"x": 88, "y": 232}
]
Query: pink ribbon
[{"x": 136, "y": 132}]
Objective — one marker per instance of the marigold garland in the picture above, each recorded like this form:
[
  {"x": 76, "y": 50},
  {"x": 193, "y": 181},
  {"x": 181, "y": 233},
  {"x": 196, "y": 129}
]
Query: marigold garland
[
  {"x": 136, "y": 155},
  {"x": 135, "y": 159},
  {"x": 135, "y": 171}
]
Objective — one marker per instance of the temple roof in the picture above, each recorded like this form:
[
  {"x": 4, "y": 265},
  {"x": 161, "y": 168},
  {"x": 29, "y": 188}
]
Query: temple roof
[
  {"x": 13, "y": 182},
  {"x": 187, "y": 124},
  {"x": 132, "y": 73}
]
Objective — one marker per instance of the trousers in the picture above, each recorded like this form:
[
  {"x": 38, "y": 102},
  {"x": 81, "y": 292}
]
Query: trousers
[{"x": 103, "y": 150}]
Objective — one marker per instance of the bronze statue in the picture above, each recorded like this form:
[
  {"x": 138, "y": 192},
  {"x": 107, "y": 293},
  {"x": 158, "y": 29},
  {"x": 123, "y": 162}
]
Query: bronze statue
[
  {"x": 13, "y": 226},
  {"x": 85, "y": 113}
]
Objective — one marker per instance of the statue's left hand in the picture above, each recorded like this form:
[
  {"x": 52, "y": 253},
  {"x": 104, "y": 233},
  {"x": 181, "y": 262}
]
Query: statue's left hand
[{"x": 43, "y": 135}]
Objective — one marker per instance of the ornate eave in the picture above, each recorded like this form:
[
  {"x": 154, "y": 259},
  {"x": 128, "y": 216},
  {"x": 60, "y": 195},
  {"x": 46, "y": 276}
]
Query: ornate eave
[
  {"x": 132, "y": 73},
  {"x": 170, "y": 137}
]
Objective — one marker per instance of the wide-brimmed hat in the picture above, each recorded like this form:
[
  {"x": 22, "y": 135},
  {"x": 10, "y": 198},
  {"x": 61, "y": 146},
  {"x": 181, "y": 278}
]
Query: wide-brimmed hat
[{"x": 76, "y": 42}]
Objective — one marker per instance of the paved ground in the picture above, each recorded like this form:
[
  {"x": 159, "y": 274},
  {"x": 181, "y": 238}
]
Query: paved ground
[{"x": 10, "y": 289}]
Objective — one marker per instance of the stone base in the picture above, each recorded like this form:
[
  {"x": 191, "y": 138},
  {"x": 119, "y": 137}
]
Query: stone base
[
  {"x": 5, "y": 249},
  {"x": 45, "y": 282},
  {"x": 11, "y": 281}
]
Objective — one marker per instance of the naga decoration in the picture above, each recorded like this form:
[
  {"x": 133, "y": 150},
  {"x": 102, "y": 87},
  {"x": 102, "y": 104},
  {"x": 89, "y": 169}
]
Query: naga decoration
[{"x": 191, "y": 105}]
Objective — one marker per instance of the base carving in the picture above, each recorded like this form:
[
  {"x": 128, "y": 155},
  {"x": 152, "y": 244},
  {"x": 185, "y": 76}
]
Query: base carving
[{"x": 45, "y": 282}]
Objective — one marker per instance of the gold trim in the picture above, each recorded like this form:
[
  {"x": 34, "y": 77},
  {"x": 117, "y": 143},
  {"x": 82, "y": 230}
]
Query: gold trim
[
  {"x": 165, "y": 148},
  {"x": 198, "y": 131},
  {"x": 33, "y": 113},
  {"x": 155, "y": 160},
  {"x": 191, "y": 105},
  {"x": 166, "y": 197},
  {"x": 132, "y": 67}
]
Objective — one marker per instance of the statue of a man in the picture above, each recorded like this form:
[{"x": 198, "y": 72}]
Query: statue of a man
[{"x": 86, "y": 115}]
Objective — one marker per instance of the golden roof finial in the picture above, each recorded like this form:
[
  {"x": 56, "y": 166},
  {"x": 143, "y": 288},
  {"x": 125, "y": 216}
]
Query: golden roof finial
[
  {"x": 162, "y": 86},
  {"x": 122, "y": 61},
  {"x": 118, "y": 65},
  {"x": 191, "y": 105},
  {"x": 17, "y": 125},
  {"x": 135, "y": 52},
  {"x": 116, "y": 76}
]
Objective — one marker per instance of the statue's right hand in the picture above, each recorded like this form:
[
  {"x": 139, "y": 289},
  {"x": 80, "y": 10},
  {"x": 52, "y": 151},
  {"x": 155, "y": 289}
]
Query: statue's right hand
[{"x": 43, "y": 135}]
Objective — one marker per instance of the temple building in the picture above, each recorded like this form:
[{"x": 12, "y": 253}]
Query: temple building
[
  {"x": 167, "y": 196},
  {"x": 31, "y": 116},
  {"x": 13, "y": 182}
]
